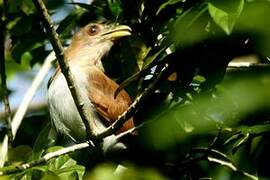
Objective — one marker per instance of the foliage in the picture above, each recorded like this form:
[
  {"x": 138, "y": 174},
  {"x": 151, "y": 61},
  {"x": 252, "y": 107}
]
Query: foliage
[
  {"x": 201, "y": 117},
  {"x": 62, "y": 167}
]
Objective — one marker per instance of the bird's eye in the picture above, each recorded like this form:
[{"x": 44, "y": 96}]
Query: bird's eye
[{"x": 93, "y": 30}]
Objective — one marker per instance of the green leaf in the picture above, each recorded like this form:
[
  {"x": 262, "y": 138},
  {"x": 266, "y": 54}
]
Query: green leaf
[
  {"x": 150, "y": 59},
  {"x": 13, "y": 67},
  {"x": 225, "y": 20},
  {"x": 26, "y": 6},
  {"x": 144, "y": 50},
  {"x": 101, "y": 172},
  {"x": 106, "y": 171},
  {"x": 198, "y": 79},
  {"x": 66, "y": 168},
  {"x": 115, "y": 7},
  {"x": 50, "y": 175},
  {"x": 19, "y": 154},
  {"x": 22, "y": 47},
  {"x": 188, "y": 28}
]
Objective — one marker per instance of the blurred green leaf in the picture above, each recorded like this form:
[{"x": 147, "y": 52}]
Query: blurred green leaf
[
  {"x": 19, "y": 49},
  {"x": 203, "y": 114},
  {"x": 115, "y": 7},
  {"x": 50, "y": 175},
  {"x": 26, "y": 6},
  {"x": 199, "y": 79},
  {"x": 189, "y": 27},
  {"x": 21, "y": 25},
  {"x": 12, "y": 67},
  {"x": 224, "y": 19},
  {"x": 20, "y": 153},
  {"x": 106, "y": 171}
]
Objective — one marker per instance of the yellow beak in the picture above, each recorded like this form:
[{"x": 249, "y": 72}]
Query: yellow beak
[{"x": 117, "y": 32}]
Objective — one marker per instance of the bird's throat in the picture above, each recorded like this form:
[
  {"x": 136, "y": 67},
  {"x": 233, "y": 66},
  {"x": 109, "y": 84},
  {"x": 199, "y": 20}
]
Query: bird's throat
[{"x": 87, "y": 55}]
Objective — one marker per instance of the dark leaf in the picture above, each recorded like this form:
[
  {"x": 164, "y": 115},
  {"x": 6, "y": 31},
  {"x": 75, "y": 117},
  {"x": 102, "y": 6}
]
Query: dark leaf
[{"x": 45, "y": 139}]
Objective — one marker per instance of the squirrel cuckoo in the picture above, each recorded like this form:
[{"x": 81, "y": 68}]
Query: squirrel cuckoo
[{"x": 84, "y": 56}]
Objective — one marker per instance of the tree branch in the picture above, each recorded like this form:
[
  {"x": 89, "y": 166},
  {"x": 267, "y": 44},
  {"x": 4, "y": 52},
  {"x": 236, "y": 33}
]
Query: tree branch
[
  {"x": 238, "y": 66},
  {"x": 3, "y": 72},
  {"x": 13, "y": 169},
  {"x": 44, "y": 159},
  {"x": 132, "y": 108},
  {"x": 58, "y": 48}
]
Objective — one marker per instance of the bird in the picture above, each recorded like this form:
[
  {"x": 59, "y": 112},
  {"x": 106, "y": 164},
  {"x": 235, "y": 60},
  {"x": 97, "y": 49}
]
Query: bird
[{"x": 88, "y": 46}]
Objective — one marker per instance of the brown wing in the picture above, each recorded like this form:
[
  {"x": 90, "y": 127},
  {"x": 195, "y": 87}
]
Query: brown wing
[{"x": 101, "y": 92}]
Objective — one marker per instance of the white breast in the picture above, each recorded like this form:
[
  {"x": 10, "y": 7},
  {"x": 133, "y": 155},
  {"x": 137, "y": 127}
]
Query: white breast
[{"x": 63, "y": 111}]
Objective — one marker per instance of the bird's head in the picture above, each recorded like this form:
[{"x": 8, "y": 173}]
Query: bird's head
[{"x": 95, "y": 40}]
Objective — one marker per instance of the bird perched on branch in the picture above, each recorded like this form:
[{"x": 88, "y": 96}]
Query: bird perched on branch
[{"x": 84, "y": 56}]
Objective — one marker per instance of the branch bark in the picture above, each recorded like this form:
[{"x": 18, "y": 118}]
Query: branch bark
[
  {"x": 13, "y": 169},
  {"x": 44, "y": 159},
  {"x": 3, "y": 72},
  {"x": 132, "y": 108},
  {"x": 58, "y": 48}
]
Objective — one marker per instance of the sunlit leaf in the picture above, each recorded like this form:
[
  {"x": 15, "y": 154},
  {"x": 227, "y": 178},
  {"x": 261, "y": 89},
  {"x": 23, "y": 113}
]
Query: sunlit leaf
[
  {"x": 223, "y": 19},
  {"x": 199, "y": 79},
  {"x": 66, "y": 167},
  {"x": 141, "y": 55}
]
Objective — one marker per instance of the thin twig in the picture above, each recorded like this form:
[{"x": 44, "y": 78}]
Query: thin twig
[
  {"x": 66, "y": 150},
  {"x": 238, "y": 66},
  {"x": 7, "y": 140},
  {"x": 45, "y": 158},
  {"x": 225, "y": 161},
  {"x": 58, "y": 48},
  {"x": 216, "y": 138},
  {"x": 3, "y": 72},
  {"x": 210, "y": 151},
  {"x": 232, "y": 167},
  {"x": 132, "y": 108}
]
